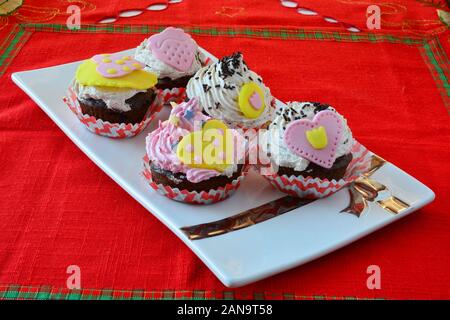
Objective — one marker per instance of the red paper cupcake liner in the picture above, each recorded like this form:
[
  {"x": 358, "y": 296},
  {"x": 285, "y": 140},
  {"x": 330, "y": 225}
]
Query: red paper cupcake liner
[
  {"x": 313, "y": 188},
  {"x": 107, "y": 129},
  {"x": 192, "y": 197},
  {"x": 177, "y": 95}
]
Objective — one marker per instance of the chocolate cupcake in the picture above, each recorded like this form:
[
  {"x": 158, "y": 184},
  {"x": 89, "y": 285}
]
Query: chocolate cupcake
[
  {"x": 309, "y": 145},
  {"x": 182, "y": 161},
  {"x": 228, "y": 90},
  {"x": 180, "y": 180},
  {"x": 173, "y": 55},
  {"x": 115, "y": 89},
  {"x": 288, "y": 161}
]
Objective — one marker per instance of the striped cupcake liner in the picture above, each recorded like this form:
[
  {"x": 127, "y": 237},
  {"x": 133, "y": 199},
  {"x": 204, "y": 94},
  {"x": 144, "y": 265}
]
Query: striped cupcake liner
[
  {"x": 177, "y": 95},
  {"x": 107, "y": 129},
  {"x": 192, "y": 197},
  {"x": 314, "y": 188}
]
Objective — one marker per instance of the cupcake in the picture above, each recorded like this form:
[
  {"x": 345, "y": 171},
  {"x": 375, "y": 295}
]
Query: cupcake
[
  {"x": 174, "y": 56},
  {"x": 229, "y": 91},
  {"x": 191, "y": 157},
  {"x": 113, "y": 88},
  {"x": 309, "y": 146}
]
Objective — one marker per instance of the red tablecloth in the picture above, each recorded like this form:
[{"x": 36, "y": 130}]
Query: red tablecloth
[{"x": 58, "y": 209}]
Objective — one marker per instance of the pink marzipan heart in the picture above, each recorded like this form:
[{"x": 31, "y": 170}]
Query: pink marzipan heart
[
  {"x": 255, "y": 101},
  {"x": 296, "y": 140},
  {"x": 173, "y": 47}
]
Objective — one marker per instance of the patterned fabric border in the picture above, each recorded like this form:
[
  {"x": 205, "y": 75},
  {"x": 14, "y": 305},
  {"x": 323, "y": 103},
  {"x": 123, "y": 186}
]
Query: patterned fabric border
[
  {"x": 14, "y": 41},
  {"x": 18, "y": 292},
  {"x": 5, "y": 42},
  {"x": 251, "y": 32},
  {"x": 432, "y": 52},
  {"x": 437, "y": 61}
]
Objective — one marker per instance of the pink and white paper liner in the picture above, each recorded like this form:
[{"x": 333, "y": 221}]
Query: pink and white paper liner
[
  {"x": 193, "y": 197},
  {"x": 177, "y": 95},
  {"x": 107, "y": 129},
  {"x": 313, "y": 188}
]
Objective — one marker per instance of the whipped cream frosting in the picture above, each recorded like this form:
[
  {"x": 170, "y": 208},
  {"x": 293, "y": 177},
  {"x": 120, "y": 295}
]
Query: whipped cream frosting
[
  {"x": 144, "y": 54},
  {"x": 218, "y": 85},
  {"x": 162, "y": 143},
  {"x": 114, "y": 98},
  {"x": 273, "y": 140}
]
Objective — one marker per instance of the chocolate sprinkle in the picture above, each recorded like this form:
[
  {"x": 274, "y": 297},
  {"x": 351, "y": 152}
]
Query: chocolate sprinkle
[
  {"x": 206, "y": 88},
  {"x": 229, "y": 64},
  {"x": 320, "y": 107},
  {"x": 229, "y": 87}
]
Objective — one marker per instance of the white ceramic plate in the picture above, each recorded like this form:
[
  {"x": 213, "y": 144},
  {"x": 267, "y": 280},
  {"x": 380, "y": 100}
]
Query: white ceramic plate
[{"x": 240, "y": 257}]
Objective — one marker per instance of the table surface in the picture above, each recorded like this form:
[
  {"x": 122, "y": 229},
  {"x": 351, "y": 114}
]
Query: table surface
[{"x": 59, "y": 210}]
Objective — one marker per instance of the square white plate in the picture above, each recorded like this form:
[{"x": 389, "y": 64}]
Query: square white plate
[{"x": 240, "y": 257}]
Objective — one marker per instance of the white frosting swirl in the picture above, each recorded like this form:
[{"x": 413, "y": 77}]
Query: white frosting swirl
[
  {"x": 144, "y": 54},
  {"x": 217, "y": 87},
  {"x": 114, "y": 98},
  {"x": 274, "y": 143}
]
